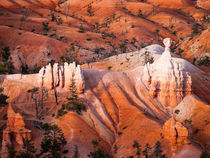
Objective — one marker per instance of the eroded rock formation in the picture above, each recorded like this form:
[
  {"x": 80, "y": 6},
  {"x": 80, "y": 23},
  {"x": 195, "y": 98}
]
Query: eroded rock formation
[
  {"x": 61, "y": 76},
  {"x": 175, "y": 133},
  {"x": 166, "y": 79},
  {"x": 15, "y": 130}
]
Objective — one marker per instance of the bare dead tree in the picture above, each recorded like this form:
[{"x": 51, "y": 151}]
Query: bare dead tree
[
  {"x": 67, "y": 8},
  {"x": 44, "y": 95},
  {"x": 52, "y": 62},
  {"x": 38, "y": 100}
]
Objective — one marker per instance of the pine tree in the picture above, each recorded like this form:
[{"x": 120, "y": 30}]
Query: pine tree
[
  {"x": 3, "y": 98},
  {"x": 53, "y": 141},
  {"x": 28, "y": 150},
  {"x": 138, "y": 147}
]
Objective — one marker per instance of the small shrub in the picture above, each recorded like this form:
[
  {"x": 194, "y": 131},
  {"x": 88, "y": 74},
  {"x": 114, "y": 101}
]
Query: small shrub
[
  {"x": 204, "y": 61},
  {"x": 81, "y": 29},
  {"x": 140, "y": 13},
  {"x": 109, "y": 67},
  {"x": 89, "y": 10},
  {"x": 3, "y": 98},
  {"x": 204, "y": 154},
  {"x": 176, "y": 111},
  {"x": 45, "y": 26},
  {"x": 6, "y": 52}
]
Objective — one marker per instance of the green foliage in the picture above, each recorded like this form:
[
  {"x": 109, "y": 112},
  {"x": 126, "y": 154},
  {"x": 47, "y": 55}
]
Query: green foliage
[
  {"x": 140, "y": 13},
  {"x": 188, "y": 122},
  {"x": 3, "y": 98},
  {"x": 138, "y": 148},
  {"x": 53, "y": 141},
  {"x": 148, "y": 57},
  {"x": 204, "y": 154},
  {"x": 28, "y": 150},
  {"x": 157, "y": 31},
  {"x": 177, "y": 111},
  {"x": 53, "y": 17},
  {"x": 123, "y": 48},
  {"x": 81, "y": 29},
  {"x": 45, "y": 26},
  {"x": 89, "y": 10},
  {"x": 24, "y": 69},
  {"x": 204, "y": 61},
  {"x": 33, "y": 90},
  {"x": 99, "y": 153},
  {"x": 180, "y": 51},
  {"x": 76, "y": 152},
  {"x": 195, "y": 29},
  {"x": 62, "y": 111},
  {"x": 109, "y": 67},
  {"x": 59, "y": 20},
  {"x": 74, "y": 103},
  {"x": 146, "y": 150},
  {"x": 6, "y": 52},
  {"x": 115, "y": 149},
  {"x": 11, "y": 152},
  {"x": 158, "y": 151}
]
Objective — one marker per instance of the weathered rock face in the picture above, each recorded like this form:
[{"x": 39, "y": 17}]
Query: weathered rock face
[
  {"x": 15, "y": 131},
  {"x": 175, "y": 133},
  {"x": 166, "y": 79},
  {"x": 61, "y": 76}
]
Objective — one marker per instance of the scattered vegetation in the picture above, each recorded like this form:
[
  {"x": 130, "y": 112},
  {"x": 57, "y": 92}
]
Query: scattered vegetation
[
  {"x": 3, "y": 98},
  {"x": 148, "y": 151},
  {"x": 147, "y": 57},
  {"x": 6, "y": 53},
  {"x": 81, "y": 29},
  {"x": 45, "y": 26},
  {"x": 89, "y": 10},
  {"x": 177, "y": 111},
  {"x": 204, "y": 61},
  {"x": 140, "y": 13},
  {"x": 204, "y": 154},
  {"x": 109, "y": 67},
  {"x": 138, "y": 148},
  {"x": 98, "y": 152},
  {"x": 6, "y": 66}
]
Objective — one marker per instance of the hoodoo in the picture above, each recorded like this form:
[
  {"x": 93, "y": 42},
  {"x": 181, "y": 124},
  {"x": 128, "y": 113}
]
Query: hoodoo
[
  {"x": 166, "y": 79},
  {"x": 15, "y": 131},
  {"x": 61, "y": 76}
]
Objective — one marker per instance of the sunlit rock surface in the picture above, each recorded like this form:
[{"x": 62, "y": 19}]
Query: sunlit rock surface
[{"x": 166, "y": 79}]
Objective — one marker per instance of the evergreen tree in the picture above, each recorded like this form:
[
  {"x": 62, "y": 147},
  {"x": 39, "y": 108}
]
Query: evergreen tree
[
  {"x": 138, "y": 147},
  {"x": 11, "y": 152},
  {"x": 147, "y": 150},
  {"x": 3, "y": 98},
  {"x": 158, "y": 151},
  {"x": 74, "y": 103},
  {"x": 28, "y": 150},
  {"x": 53, "y": 141}
]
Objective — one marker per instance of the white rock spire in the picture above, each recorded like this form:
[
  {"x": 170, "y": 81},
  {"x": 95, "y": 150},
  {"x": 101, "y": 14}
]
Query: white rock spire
[{"x": 166, "y": 79}]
